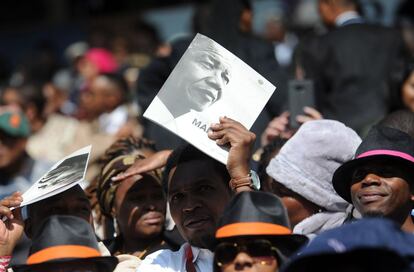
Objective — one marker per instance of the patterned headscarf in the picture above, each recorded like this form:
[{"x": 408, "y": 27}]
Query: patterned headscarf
[{"x": 107, "y": 187}]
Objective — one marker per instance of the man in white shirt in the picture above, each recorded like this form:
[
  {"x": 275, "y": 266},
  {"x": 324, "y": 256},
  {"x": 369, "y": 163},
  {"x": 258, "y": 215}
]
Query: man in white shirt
[
  {"x": 197, "y": 191},
  {"x": 197, "y": 194}
]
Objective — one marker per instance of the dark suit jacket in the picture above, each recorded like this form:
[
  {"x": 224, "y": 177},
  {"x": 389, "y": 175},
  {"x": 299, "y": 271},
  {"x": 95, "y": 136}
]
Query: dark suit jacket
[{"x": 351, "y": 67}]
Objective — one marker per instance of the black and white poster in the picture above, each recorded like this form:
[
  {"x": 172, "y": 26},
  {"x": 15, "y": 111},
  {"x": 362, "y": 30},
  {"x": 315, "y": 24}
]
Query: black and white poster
[{"x": 208, "y": 82}]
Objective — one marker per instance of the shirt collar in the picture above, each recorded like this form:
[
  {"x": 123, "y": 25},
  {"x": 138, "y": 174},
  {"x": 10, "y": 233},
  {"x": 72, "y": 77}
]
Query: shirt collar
[
  {"x": 201, "y": 253},
  {"x": 343, "y": 18}
]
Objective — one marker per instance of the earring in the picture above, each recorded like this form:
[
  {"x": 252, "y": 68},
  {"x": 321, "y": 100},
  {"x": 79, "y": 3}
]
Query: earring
[{"x": 116, "y": 228}]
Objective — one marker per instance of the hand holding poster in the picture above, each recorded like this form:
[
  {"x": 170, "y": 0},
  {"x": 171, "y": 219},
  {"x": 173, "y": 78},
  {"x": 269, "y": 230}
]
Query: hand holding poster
[
  {"x": 63, "y": 175},
  {"x": 208, "y": 82}
]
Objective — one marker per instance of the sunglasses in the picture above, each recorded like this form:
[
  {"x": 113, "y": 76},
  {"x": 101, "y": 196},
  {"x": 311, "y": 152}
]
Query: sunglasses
[
  {"x": 261, "y": 251},
  {"x": 386, "y": 170}
]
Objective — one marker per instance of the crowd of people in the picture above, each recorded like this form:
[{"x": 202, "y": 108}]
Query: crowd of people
[{"x": 334, "y": 194}]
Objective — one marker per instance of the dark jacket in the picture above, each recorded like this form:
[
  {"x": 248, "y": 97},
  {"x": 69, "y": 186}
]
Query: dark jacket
[{"x": 352, "y": 67}]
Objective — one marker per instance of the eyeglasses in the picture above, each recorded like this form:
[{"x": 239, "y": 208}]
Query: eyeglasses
[{"x": 261, "y": 251}]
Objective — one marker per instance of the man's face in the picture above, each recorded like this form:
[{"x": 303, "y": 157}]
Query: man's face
[
  {"x": 197, "y": 197},
  {"x": 96, "y": 96},
  {"x": 11, "y": 149},
  {"x": 207, "y": 75},
  {"x": 382, "y": 188},
  {"x": 247, "y": 254}
]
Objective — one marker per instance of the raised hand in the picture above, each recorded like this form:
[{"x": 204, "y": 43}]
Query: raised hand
[
  {"x": 155, "y": 161},
  {"x": 240, "y": 141},
  {"x": 11, "y": 228}
]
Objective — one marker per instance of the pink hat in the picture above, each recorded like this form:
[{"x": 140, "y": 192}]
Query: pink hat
[{"x": 103, "y": 59}]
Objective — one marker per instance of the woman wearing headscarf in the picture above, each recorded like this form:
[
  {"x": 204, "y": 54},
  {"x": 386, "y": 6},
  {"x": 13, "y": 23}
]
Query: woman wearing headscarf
[
  {"x": 302, "y": 172},
  {"x": 136, "y": 204}
]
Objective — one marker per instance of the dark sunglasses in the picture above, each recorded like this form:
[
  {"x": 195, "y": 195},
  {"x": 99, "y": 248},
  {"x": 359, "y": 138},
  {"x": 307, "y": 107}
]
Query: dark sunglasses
[
  {"x": 387, "y": 170},
  {"x": 261, "y": 251}
]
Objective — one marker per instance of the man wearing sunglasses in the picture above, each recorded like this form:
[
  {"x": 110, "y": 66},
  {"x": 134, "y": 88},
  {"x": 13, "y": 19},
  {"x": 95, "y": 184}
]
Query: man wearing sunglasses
[
  {"x": 254, "y": 234},
  {"x": 379, "y": 181}
]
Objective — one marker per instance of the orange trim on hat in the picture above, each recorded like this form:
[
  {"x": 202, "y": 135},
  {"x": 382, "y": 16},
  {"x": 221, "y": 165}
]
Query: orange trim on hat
[
  {"x": 62, "y": 252},
  {"x": 15, "y": 120},
  {"x": 251, "y": 228}
]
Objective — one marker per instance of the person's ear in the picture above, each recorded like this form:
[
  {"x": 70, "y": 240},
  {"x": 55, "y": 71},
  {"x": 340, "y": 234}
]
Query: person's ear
[
  {"x": 28, "y": 228},
  {"x": 246, "y": 20},
  {"x": 410, "y": 183}
]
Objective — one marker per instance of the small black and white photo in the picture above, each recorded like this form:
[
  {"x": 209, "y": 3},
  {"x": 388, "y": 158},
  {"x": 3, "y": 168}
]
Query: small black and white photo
[
  {"x": 208, "y": 82},
  {"x": 70, "y": 170}
]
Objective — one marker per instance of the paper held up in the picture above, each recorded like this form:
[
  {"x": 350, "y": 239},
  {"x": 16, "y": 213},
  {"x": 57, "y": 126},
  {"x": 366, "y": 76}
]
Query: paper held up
[
  {"x": 62, "y": 176},
  {"x": 208, "y": 82}
]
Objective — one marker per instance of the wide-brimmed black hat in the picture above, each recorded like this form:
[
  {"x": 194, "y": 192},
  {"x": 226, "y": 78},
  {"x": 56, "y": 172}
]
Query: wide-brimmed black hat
[
  {"x": 381, "y": 143},
  {"x": 65, "y": 239},
  {"x": 259, "y": 214}
]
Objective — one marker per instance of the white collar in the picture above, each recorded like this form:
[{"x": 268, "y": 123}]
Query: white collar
[
  {"x": 346, "y": 16},
  {"x": 201, "y": 253}
]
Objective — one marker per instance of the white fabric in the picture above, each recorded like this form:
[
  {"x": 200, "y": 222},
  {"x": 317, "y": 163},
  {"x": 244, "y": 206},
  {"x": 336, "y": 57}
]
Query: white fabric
[
  {"x": 111, "y": 122},
  {"x": 165, "y": 260},
  {"x": 306, "y": 163},
  {"x": 320, "y": 222},
  {"x": 346, "y": 16},
  {"x": 127, "y": 263}
]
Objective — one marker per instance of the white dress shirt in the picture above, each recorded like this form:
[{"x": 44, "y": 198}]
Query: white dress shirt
[
  {"x": 111, "y": 122},
  {"x": 165, "y": 260}
]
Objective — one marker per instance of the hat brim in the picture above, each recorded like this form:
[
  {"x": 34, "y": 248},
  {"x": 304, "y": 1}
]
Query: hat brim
[
  {"x": 282, "y": 237},
  {"x": 286, "y": 244},
  {"x": 369, "y": 259},
  {"x": 105, "y": 263},
  {"x": 342, "y": 177}
]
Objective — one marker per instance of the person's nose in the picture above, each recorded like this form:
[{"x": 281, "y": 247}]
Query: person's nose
[
  {"x": 190, "y": 205},
  {"x": 216, "y": 81},
  {"x": 151, "y": 207},
  {"x": 243, "y": 262},
  {"x": 371, "y": 180}
]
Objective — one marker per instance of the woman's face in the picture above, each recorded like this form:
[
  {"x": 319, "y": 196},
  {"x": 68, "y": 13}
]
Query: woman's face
[
  {"x": 139, "y": 207},
  {"x": 298, "y": 207},
  {"x": 246, "y": 254},
  {"x": 408, "y": 92}
]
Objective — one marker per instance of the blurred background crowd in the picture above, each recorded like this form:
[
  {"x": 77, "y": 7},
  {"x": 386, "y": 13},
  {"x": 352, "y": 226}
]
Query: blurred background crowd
[{"x": 83, "y": 72}]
